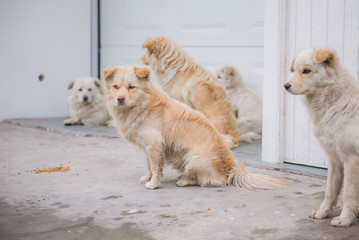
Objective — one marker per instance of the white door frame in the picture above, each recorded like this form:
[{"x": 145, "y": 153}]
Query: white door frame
[
  {"x": 95, "y": 38},
  {"x": 273, "y": 79}
]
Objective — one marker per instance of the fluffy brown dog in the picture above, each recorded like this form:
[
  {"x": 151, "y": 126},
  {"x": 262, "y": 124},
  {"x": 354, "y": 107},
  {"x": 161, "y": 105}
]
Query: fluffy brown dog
[
  {"x": 331, "y": 96},
  {"x": 187, "y": 81},
  {"x": 171, "y": 132}
]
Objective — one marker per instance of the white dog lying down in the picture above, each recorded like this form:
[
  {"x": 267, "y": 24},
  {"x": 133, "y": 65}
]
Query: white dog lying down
[
  {"x": 246, "y": 104},
  {"x": 331, "y": 95},
  {"x": 86, "y": 103},
  {"x": 171, "y": 132}
]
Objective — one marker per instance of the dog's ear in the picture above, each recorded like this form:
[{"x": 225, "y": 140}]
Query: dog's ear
[
  {"x": 142, "y": 73},
  {"x": 229, "y": 70},
  {"x": 107, "y": 72},
  {"x": 292, "y": 66},
  {"x": 71, "y": 85},
  {"x": 98, "y": 84},
  {"x": 150, "y": 44},
  {"x": 324, "y": 55}
]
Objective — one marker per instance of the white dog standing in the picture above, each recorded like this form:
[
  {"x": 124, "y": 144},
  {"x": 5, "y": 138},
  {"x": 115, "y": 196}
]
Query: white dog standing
[
  {"x": 331, "y": 95},
  {"x": 246, "y": 104},
  {"x": 86, "y": 103}
]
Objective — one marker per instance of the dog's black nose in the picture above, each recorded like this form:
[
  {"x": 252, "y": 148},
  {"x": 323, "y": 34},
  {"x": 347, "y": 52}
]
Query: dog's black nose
[
  {"x": 85, "y": 98},
  {"x": 287, "y": 85},
  {"x": 121, "y": 99}
]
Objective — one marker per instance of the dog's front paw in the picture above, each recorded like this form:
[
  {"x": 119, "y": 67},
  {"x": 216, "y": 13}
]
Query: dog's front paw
[
  {"x": 341, "y": 221},
  {"x": 71, "y": 121},
  {"x": 145, "y": 179},
  {"x": 152, "y": 185},
  {"x": 318, "y": 214}
]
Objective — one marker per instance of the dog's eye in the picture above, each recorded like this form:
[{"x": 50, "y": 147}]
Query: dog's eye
[
  {"x": 131, "y": 87},
  {"x": 115, "y": 87},
  {"x": 306, "y": 71},
  {"x": 80, "y": 89},
  {"x": 89, "y": 89}
]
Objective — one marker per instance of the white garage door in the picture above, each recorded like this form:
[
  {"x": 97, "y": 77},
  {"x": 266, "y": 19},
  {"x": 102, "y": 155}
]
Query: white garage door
[{"x": 211, "y": 31}]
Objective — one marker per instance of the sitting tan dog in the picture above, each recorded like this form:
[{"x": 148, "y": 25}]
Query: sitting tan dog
[
  {"x": 246, "y": 104},
  {"x": 331, "y": 95},
  {"x": 171, "y": 132},
  {"x": 86, "y": 103},
  {"x": 185, "y": 80}
]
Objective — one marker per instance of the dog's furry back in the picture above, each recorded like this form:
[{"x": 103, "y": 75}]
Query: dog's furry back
[{"x": 187, "y": 81}]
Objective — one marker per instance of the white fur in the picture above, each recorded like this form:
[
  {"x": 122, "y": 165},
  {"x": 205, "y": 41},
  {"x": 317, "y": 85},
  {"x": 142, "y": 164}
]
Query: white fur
[
  {"x": 246, "y": 104},
  {"x": 331, "y": 96},
  {"x": 90, "y": 112}
]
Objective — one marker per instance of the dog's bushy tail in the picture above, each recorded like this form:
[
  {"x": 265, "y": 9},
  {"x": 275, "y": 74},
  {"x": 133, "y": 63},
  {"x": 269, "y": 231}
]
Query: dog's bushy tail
[{"x": 239, "y": 177}]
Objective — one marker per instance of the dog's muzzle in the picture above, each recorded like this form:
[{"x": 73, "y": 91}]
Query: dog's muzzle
[{"x": 121, "y": 101}]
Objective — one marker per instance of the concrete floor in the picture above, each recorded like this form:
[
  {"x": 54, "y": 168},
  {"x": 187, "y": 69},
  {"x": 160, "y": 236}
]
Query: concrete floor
[{"x": 101, "y": 197}]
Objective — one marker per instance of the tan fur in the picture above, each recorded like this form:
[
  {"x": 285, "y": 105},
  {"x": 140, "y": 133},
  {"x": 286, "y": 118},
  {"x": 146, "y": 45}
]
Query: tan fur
[
  {"x": 292, "y": 67},
  {"x": 170, "y": 132},
  {"x": 89, "y": 112},
  {"x": 331, "y": 96},
  {"x": 107, "y": 72},
  {"x": 142, "y": 72},
  {"x": 324, "y": 54},
  {"x": 185, "y": 80},
  {"x": 246, "y": 104}
]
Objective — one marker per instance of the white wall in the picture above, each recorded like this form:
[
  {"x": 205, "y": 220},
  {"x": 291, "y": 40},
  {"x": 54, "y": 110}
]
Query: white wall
[{"x": 52, "y": 38}]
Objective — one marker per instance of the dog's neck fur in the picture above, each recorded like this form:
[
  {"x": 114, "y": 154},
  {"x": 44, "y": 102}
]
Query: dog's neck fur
[
  {"x": 164, "y": 74},
  {"x": 236, "y": 81},
  {"x": 79, "y": 108},
  {"x": 129, "y": 119},
  {"x": 320, "y": 103}
]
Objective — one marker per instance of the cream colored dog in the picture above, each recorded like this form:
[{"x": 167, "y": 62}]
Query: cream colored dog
[
  {"x": 185, "y": 80},
  {"x": 331, "y": 95},
  {"x": 246, "y": 104},
  {"x": 171, "y": 132},
  {"x": 86, "y": 103}
]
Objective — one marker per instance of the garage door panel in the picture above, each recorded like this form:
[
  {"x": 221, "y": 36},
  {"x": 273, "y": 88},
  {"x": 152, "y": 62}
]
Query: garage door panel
[
  {"x": 213, "y": 15},
  {"x": 192, "y": 23}
]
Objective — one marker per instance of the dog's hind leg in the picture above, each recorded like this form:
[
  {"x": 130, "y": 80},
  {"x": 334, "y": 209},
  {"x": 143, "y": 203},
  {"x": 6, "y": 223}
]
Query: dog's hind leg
[
  {"x": 155, "y": 156},
  {"x": 334, "y": 185},
  {"x": 199, "y": 170},
  {"x": 351, "y": 193}
]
